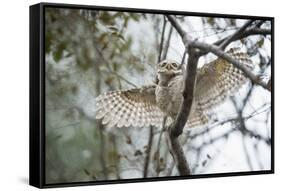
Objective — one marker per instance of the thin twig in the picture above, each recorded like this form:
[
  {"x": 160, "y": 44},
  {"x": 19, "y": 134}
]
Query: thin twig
[
  {"x": 107, "y": 64},
  {"x": 246, "y": 33},
  {"x": 159, "y": 144},
  {"x": 230, "y": 38},
  {"x": 183, "y": 57},
  {"x": 148, "y": 152},
  {"x": 167, "y": 45},
  {"x": 162, "y": 39}
]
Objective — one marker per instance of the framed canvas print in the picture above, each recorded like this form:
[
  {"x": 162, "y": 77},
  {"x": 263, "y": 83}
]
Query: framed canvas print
[{"x": 123, "y": 95}]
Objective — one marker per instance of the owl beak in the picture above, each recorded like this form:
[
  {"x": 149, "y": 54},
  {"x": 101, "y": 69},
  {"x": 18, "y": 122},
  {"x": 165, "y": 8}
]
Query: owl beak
[{"x": 169, "y": 67}]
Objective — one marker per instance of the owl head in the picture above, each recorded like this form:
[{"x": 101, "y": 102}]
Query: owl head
[{"x": 169, "y": 68}]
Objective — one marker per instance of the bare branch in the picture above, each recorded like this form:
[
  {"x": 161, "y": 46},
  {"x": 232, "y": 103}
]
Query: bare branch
[
  {"x": 177, "y": 153},
  {"x": 147, "y": 158},
  {"x": 230, "y": 38},
  {"x": 246, "y": 33},
  {"x": 187, "y": 93},
  {"x": 269, "y": 85},
  {"x": 159, "y": 144},
  {"x": 176, "y": 128},
  {"x": 167, "y": 45},
  {"x": 259, "y": 23},
  {"x": 107, "y": 64},
  {"x": 183, "y": 58},
  {"x": 162, "y": 39},
  {"x": 189, "y": 80},
  {"x": 255, "y": 31},
  {"x": 185, "y": 37}
]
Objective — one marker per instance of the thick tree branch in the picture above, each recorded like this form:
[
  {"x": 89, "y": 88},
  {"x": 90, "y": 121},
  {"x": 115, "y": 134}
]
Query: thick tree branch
[
  {"x": 187, "y": 93},
  {"x": 254, "y": 31},
  {"x": 176, "y": 128},
  {"x": 185, "y": 37},
  {"x": 178, "y": 154}
]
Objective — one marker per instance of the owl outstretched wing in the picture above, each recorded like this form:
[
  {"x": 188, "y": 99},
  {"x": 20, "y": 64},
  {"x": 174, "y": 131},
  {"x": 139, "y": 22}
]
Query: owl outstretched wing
[
  {"x": 215, "y": 82},
  {"x": 129, "y": 108},
  {"x": 219, "y": 79}
]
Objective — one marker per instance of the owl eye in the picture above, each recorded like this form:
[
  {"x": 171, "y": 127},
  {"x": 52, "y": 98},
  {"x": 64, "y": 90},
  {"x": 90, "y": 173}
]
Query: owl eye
[
  {"x": 174, "y": 65},
  {"x": 163, "y": 64}
]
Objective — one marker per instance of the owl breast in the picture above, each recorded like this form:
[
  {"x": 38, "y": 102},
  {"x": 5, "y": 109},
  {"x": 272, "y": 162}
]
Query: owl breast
[{"x": 169, "y": 98}]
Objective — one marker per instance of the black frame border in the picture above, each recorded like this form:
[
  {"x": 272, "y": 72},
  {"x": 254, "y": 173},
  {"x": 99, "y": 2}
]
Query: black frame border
[{"x": 37, "y": 95}]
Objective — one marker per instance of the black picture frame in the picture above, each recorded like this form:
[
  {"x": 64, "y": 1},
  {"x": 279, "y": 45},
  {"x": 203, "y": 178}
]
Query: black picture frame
[{"x": 37, "y": 95}]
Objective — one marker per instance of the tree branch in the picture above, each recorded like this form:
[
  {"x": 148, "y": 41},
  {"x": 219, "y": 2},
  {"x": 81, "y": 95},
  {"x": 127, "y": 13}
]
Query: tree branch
[
  {"x": 175, "y": 130},
  {"x": 185, "y": 37},
  {"x": 187, "y": 93},
  {"x": 177, "y": 154},
  {"x": 157, "y": 153},
  {"x": 162, "y": 39},
  {"x": 230, "y": 38},
  {"x": 148, "y": 153},
  {"x": 269, "y": 85},
  {"x": 109, "y": 70},
  {"x": 167, "y": 45},
  {"x": 246, "y": 33}
]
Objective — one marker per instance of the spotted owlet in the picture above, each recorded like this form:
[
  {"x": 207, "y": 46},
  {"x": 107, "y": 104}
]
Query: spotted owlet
[{"x": 148, "y": 105}]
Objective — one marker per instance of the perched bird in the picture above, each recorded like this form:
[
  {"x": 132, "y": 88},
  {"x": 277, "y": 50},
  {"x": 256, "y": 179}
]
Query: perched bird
[{"x": 148, "y": 105}]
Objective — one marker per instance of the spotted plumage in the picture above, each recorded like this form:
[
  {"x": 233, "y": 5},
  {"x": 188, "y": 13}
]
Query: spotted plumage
[{"x": 148, "y": 105}]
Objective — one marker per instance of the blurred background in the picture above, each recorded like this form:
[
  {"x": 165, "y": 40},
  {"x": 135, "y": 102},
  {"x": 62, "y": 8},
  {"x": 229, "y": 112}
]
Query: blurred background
[{"x": 90, "y": 52}]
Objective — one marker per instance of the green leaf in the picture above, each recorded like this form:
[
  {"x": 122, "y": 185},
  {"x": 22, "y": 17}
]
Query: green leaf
[
  {"x": 138, "y": 153},
  {"x": 59, "y": 51},
  {"x": 58, "y": 55},
  {"x": 118, "y": 35},
  {"x": 113, "y": 28},
  {"x": 211, "y": 20},
  {"x": 260, "y": 42}
]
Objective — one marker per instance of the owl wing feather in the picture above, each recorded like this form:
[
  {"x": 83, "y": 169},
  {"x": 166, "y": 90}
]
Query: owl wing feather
[
  {"x": 196, "y": 118},
  {"x": 215, "y": 82},
  {"x": 129, "y": 108},
  {"x": 137, "y": 107},
  {"x": 219, "y": 79}
]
